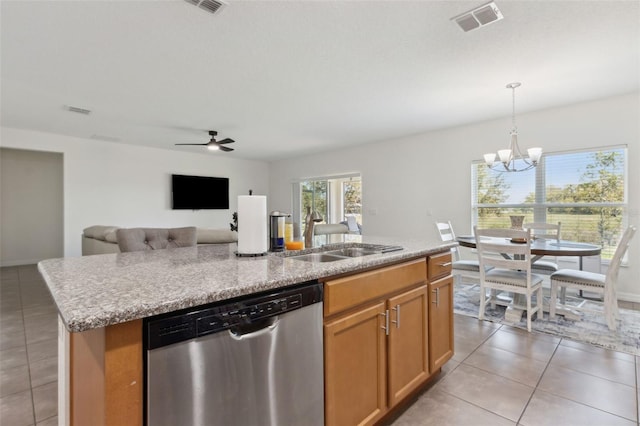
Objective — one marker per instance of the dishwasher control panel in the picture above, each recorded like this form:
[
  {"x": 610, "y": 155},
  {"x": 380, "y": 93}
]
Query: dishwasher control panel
[{"x": 176, "y": 327}]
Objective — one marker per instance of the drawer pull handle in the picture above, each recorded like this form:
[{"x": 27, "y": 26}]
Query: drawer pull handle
[
  {"x": 437, "y": 292},
  {"x": 397, "y": 321},
  {"x": 445, "y": 264},
  {"x": 385, "y": 314}
]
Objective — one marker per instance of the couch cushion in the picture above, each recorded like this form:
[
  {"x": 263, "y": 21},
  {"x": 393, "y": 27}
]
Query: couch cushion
[
  {"x": 136, "y": 239},
  {"x": 111, "y": 236},
  {"x": 216, "y": 236},
  {"x": 99, "y": 232},
  {"x": 330, "y": 228}
]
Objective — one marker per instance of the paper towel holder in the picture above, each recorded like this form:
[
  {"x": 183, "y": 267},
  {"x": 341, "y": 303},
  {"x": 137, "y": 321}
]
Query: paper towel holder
[{"x": 253, "y": 250}]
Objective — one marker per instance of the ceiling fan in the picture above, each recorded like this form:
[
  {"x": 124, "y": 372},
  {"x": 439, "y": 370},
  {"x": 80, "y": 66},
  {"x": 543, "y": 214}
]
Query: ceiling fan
[{"x": 214, "y": 145}]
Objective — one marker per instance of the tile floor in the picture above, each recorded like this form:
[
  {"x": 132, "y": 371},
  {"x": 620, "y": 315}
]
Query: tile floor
[
  {"x": 502, "y": 375},
  {"x": 499, "y": 375},
  {"x": 28, "y": 349}
]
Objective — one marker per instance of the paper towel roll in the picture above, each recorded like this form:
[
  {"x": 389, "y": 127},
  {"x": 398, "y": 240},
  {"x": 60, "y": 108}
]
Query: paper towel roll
[{"x": 252, "y": 224}]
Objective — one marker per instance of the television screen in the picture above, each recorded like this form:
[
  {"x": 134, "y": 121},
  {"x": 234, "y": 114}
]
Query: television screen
[{"x": 199, "y": 192}]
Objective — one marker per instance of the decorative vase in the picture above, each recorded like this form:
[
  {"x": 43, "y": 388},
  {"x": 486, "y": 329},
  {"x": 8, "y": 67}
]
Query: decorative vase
[{"x": 516, "y": 222}]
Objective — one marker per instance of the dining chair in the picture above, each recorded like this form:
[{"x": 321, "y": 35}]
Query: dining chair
[
  {"x": 604, "y": 284},
  {"x": 462, "y": 268},
  {"x": 511, "y": 271},
  {"x": 546, "y": 231},
  {"x": 139, "y": 239}
]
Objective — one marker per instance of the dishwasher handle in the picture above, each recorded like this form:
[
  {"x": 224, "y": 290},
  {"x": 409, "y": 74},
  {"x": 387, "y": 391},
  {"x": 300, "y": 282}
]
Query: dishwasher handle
[{"x": 254, "y": 329}]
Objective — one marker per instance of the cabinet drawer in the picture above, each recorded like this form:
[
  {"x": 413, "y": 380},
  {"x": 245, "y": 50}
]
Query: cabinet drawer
[
  {"x": 347, "y": 292},
  {"x": 439, "y": 265}
]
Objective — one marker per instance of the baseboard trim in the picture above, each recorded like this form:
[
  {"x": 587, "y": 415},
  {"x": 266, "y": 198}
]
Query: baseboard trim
[
  {"x": 19, "y": 262},
  {"x": 628, "y": 297}
]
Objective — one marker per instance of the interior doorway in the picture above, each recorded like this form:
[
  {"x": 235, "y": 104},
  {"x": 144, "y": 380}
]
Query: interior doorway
[{"x": 31, "y": 206}]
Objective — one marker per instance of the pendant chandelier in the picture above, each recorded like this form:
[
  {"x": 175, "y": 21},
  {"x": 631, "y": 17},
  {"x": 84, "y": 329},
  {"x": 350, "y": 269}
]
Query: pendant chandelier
[{"x": 507, "y": 157}]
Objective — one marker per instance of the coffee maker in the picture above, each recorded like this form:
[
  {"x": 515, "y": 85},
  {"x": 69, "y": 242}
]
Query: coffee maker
[{"x": 276, "y": 230}]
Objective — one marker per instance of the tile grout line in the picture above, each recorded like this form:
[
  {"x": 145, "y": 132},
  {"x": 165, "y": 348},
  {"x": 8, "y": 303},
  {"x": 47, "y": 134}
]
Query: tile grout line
[
  {"x": 538, "y": 382},
  {"x": 26, "y": 350}
]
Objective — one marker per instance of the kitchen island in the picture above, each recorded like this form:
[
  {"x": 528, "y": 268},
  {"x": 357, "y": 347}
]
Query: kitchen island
[{"x": 102, "y": 300}]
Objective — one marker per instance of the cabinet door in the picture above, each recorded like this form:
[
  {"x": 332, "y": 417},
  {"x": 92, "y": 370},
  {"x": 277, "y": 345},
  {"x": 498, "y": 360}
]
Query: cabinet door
[
  {"x": 440, "y": 322},
  {"x": 408, "y": 343},
  {"x": 355, "y": 367}
]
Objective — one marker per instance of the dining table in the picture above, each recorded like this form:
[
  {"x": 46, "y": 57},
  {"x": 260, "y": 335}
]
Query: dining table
[{"x": 539, "y": 248}]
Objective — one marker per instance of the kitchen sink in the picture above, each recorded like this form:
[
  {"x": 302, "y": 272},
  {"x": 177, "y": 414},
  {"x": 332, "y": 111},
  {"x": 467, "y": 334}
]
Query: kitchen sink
[
  {"x": 318, "y": 257},
  {"x": 353, "y": 252},
  {"x": 332, "y": 254}
]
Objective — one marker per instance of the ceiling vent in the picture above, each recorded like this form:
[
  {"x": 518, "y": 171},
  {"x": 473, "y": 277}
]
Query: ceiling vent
[
  {"x": 77, "y": 109},
  {"x": 105, "y": 138},
  {"x": 212, "y": 6},
  {"x": 478, "y": 17}
]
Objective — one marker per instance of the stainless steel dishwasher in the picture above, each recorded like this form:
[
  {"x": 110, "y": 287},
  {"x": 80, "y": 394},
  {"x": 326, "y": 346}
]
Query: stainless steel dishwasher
[{"x": 252, "y": 361}]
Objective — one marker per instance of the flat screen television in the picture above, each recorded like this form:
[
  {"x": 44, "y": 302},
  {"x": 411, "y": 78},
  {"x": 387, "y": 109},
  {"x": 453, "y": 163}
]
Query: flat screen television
[{"x": 199, "y": 192}]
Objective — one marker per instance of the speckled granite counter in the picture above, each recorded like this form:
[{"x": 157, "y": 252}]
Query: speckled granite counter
[{"x": 97, "y": 291}]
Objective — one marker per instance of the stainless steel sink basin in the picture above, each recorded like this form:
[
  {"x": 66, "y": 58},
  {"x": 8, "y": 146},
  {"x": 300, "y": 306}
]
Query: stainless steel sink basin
[
  {"x": 318, "y": 257},
  {"x": 353, "y": 252},
  {"x": 333, "y": 254}
]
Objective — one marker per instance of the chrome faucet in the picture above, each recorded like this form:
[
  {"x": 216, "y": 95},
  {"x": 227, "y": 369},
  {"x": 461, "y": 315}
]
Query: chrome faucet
[{"x": 310, "y": 223}]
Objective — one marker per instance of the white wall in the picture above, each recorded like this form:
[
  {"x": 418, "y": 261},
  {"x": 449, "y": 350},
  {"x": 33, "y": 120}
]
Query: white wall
[
  {"x": 31, "y": 206},
  {"x": 129, "y": 186},
  {"x": 411, "y": 182}
]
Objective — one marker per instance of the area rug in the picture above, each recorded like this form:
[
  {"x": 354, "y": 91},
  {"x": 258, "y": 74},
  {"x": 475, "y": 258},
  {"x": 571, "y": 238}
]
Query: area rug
[{"x": 591, "y": 328}]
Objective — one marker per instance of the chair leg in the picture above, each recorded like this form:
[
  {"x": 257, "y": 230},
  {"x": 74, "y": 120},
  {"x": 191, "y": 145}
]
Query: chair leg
[
  {"x": 483, "y": 301},
  {"x": 540, "y": 304},
  {"x": 609, "y": 311},
  {"x": 529, "y": 314},
  {"x": 553, "y": 299}
]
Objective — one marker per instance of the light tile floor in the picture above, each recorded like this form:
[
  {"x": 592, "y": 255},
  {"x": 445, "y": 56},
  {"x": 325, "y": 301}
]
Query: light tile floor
[
  {"x": 28, "y": 349},
  {"x": 502, "y": 375},
  {"x": 499, "y": 375}
]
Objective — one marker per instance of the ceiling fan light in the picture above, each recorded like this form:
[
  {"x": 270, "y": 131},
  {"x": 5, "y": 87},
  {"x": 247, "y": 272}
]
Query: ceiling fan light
[{"x": 213, "y": 147}]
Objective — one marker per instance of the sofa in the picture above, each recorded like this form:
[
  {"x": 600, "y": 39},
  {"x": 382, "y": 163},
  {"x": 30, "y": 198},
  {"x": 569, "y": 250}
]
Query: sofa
[{"x": 100, "y": 239}]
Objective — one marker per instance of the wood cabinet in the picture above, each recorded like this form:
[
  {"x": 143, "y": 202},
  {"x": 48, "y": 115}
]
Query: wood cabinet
[
  {"x": 355, "y": 367},
  {"x": 386, "y": 331},
  {"x": 377, "y": 353},
  {"x": 440, "y": 310},
  {"x": 408, "y": 342},
  {"x": 440, "y": 322}
]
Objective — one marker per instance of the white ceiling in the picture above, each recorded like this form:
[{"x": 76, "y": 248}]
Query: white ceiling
[{"x": 287, "y": 78}]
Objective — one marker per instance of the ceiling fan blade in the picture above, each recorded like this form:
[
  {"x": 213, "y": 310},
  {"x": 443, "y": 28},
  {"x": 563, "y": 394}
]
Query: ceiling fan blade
[
  {"x": 225, "y": 149},
  {"x": 226, "y": 140},
  {"x": 198, "y": 144}
]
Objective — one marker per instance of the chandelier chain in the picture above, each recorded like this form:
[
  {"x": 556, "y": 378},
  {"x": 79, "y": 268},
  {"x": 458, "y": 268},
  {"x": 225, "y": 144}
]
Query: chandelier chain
[{"x": 513, "y": 108}]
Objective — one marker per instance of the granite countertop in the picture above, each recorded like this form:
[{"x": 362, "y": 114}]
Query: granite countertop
[{"x": 101, "y": 290}]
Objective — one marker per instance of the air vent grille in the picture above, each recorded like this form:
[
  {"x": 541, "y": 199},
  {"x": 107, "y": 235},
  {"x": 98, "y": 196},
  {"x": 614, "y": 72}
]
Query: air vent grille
[
  {"x": 77, "y": 109},
  {"x": 478, "y": 17},
  {"x": 105, "y": 138},
  {"x": 212, "y": 6}
]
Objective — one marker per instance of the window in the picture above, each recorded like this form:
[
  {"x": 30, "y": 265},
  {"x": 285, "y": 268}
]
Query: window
[
  {"x": 585, "y": 190},
  {"x": 335, "y": 198}
]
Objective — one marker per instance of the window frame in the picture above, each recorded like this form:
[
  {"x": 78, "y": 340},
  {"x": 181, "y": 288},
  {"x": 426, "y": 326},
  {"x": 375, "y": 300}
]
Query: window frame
[{"x": 540, "y": 207}]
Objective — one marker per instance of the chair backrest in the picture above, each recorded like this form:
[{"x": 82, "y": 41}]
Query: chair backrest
[
  {"x": 542, "y": 230},
  {"x": 445, "y": 230},
  {"x": 139, "y": 239},
  {"x": 496, "y": 249},
  {"x": 614, "y": 265}
]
